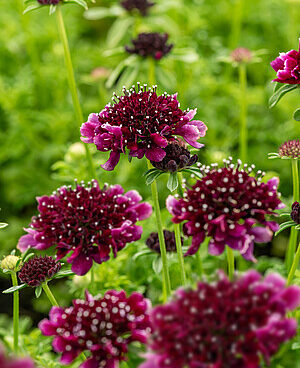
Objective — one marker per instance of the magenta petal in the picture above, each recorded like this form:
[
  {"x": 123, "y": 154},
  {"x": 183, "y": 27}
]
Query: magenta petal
[
  {"x": 261, "y": 234},
  {"x": 215, "y": 248},
  {"x": 276, "y": 280},
  {"x": 196, "y": 242},
  {"x": 291, "y": 296},
  {"x": 144, "y": 210},
  {"x": 90, "y": 363},
  {"x": 159, "y": 140},
  {"x": 155, "y": 154},
  {"x": 277, "y": 64},
  {"x": 47, "y": 328},
  {"x": 190, "y": 115},
  {"x": 69, "y": 356},
  {"x": 25, "y": 242},
  {"x": 113, "y": 160},
  {"x": 173, "y": 206},
  {"x": 133, "y": 196},
  {"x": 202, "y": 128},
  {"x": 82, "y": 264}
]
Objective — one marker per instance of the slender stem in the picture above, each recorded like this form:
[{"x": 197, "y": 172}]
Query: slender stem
[
  {"x": 72, "y": 82},
  {"x": 163, "y": 251},
  {"x": 293, "y": 233},
  {"x": 199, "y": 263},
  {"x": 294, "y": 266},
  {"x": 230, "y": 262},
  {"x": 151, "y": 77},
  {"x": 49, "y": 294},
  {"x": 236, "y": 24},
  {"x": 16, "y": 310},
  {"x": 243, "y": 112}
]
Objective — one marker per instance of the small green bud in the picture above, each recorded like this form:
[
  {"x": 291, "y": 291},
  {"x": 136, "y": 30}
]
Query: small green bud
[{"x": 10, "y": 263}]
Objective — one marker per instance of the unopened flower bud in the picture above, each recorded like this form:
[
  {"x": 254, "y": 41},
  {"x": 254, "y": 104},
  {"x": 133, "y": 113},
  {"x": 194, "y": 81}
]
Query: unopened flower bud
[{"x": 10, "y": 263}]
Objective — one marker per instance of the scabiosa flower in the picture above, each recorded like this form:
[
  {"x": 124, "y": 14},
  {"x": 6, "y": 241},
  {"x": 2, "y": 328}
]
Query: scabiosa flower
[
  {"x": 48, "y": 2},
  {"x": 6, "y": 362},
  {"x": 104, "y": 327},
  {"x": 153, "y": 241},
  {"x": 226, "y": 205},
  {"x": 290, "y": 149},
  {"x": 295, "y": 214},
  {"x": 142, "y": 122},
  {"x": 287, "y": 67},
  {"x": 38, "y": 270},
  {"x": 177, "y": 158},
  {"x": 142, "y": 6},
  {"x": 241, "y": 55},
  {"x": 150, "y": 44},
  {"x": 88, "y": 221},
  {"x": 223, "y": 324}
]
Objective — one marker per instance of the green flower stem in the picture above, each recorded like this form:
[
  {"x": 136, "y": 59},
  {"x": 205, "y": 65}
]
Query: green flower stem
[
  {"x": 293, "y": 233},
  {"x": 243, "y": 113},
  {"x": 230, "y": 262},
  {"x": 16, "y": 310},
  {"x": 199, "y": 263},
  {"x": 163, "y": 251},
  {"x": 72, "y": 82},
  {"x": 294, "y": 266},
  {"x": 236, "y": 24},
  {"x": 49, "y": 294}
]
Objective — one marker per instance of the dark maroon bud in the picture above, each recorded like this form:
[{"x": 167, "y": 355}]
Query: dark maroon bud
[
  {"x": 142, "y": 6},
  {"x": 295, "y": 214},
  {"x": 48, "y": 2},
  {"x": 153, "y": 242}
]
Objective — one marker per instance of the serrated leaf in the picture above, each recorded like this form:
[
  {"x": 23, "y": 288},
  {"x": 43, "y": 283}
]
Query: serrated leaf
[
  {"x": 297, "y": 115},
  {"x": 284, "y": 226},
  {"x": 3, "y": 225},
  {"x": 172, "y": 183},
  {"x": 38, "y": 291},
  {"x": 157, "y": 265},
  {"x": 14, "y": 288},
  {"x": 276, "y": 97}
]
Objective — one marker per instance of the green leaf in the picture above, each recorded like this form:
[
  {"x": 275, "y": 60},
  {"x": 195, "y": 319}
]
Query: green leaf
[
  {"x": 157, "y": 265},
  {"x": 284, "y": 226},
  {"x": 38, "y": 291},
  {"x": 276, "y": 97},
  {"x": 31, "y": 8},
  {"x": 195, "y": 172},
  {"x": 172, "y": 183},
  {"x": 102, "y": 12},
  {"x": 14, "y": 288},
  {"x": 276, "y": 86},
  {"x": 153, "y": 176},
  {"x": 63, "y": 273},
  {"x": 78, "y": 2},
  {"x": 297, "y": 227},
  {"x": 115, "y": 74},
  {"x": 52, "y": 9},
  {"x": 144, "y": 252},
  {"x": 118, "y": 30},
  {"x": 129, "y": 76},
  {"x": 297, "y": 115},
  {"x": 3, "y": 225},
  {"x": 27, "y": 257}
]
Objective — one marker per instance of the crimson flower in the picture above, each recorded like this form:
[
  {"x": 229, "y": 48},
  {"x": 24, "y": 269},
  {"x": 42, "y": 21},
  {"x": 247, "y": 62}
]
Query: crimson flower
[
  {"x": 226, "y": 205},
  {"x": 287, "y": 67},
  {"x": 290, "y": 149},
  {"x": 142, "y": 122},
  {"x": 103, "y": 327},
  {"x": 223, "y": 324},
  {"x": 88, "y": 221}
]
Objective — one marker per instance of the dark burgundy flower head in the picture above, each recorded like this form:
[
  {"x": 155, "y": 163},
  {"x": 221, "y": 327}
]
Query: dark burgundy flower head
[
  {"x": 226, "y": 205},
  {"x": 290, "y": 149},
  {"x": 150, "y": 44},
  {"x": 38, "y": 270},
  {"x": 287, "y": 67},
  {"x": 88, "y": 221},
  {"x": 295, "y": 214},
  {"x": 104, "y": 327},
  {"x": 153, "y": 242},
  {"x": 48, "y": 2},
  {"x": 6, "y": 362},
  {"x": 142, "y": 122},
  {"x": 223, "y": 324},
  {"x": 241, "y": 55},
  {"x": 177, "y": 158},
  {"x": 142, "y": 6}
]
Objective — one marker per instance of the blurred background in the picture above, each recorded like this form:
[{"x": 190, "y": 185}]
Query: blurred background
[{"x": 39, "y": 136}]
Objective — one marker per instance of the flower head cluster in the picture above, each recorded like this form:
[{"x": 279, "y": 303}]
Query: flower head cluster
[
  {"x": 287, "y": 67},
  {"x": 241, "y": 55},
  {"x": 226, "y": 205},
  {"x": 88, "y": 221},
  {"x": 295, "y": 214},
  {"x": 142, "y": 122},
  {"x": 48, "y": 2},
  {"x": 6, "y": 362},
  {"x": 11, "y": 263},
  {"x": 104, "y": 327},
  {"x": 223, "y": 324},
  {"x": 142, "y": 6},
  {"x": 177, "y": 158},
  {"x": 150, "y": 44},
  {"x": 153, "y": 241},
  {"x": 38, "y": 270},
  {"x": 290, "y": 149}
]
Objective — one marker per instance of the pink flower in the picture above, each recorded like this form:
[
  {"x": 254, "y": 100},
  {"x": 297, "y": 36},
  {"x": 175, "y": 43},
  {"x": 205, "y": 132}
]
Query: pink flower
[
  {"x": 87, "y": 221},
  {"x": 143, "y": 123},
  {"x": 290, "y": 149},
  {"x": 223, "y": 324},
  {"x": 226, "y": 205},
  {"x": 6, "y": 362},
  {"x": 104, "y": 327},
  {"x": 287, "y": 67}
]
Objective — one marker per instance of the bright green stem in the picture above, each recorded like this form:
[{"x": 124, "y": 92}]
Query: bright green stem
[
  {"x": 15, "y": 312},
  {"x": 152, "y": 78},
  {"x": 72, "y": 82},
  {"x": 199, "y": 263},
  {"x": 294, "y": 233},
  {"x": 236, "y": 25},
  {"x": 162, "y": 244},
  {"x": 49, "y": 294},
  {"x": 230, "y": 262},
  {"x": 243, "y": 112},
  {"x": 294, "y": 266}
]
